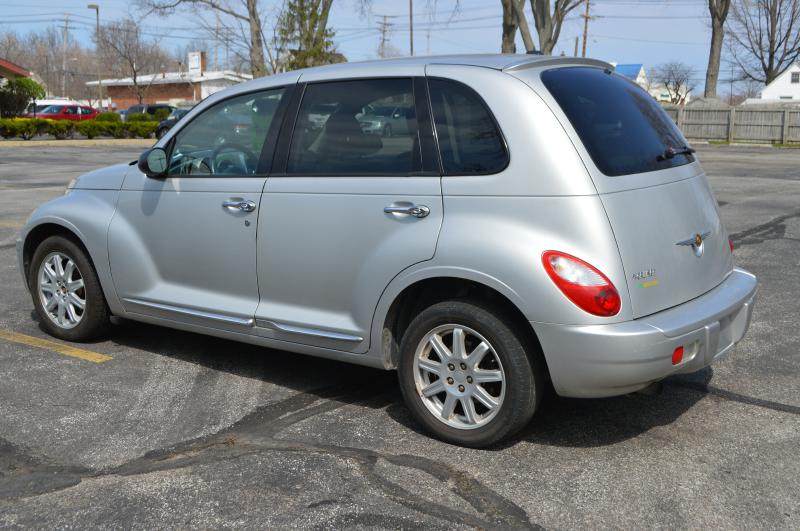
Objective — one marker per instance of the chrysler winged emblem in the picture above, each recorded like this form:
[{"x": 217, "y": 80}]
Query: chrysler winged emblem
[{"x": 696, "y": 242}]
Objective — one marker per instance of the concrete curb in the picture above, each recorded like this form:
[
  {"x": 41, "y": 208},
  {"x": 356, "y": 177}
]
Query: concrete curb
[{"x": 132, "y": 142}]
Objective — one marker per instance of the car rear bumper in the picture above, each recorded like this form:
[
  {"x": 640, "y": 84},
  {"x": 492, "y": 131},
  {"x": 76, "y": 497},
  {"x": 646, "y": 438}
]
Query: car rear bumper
[{"x": 614, "y": 359}]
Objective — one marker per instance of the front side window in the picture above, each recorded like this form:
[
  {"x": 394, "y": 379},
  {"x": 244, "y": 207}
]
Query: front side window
[
  {"x": 624, "y": 130},
  {"x": 348, "y": 128},
  {"x": 226, "y": 139},
  {"x": 469, "y": 140}
]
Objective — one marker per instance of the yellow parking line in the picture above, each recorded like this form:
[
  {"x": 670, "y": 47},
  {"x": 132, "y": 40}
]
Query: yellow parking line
[
  {"x": 9, "y": 225},
  {"x": 66, "y": 350}
]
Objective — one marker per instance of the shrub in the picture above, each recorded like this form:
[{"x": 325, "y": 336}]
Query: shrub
[
  {"x": 141, "y": 129},
  {"x": 108, "y": 117},
  {"x": 16, "y": 95},
  {"x": 61, "y": 129},
  {"x": 139, "y": 117},
  {"x": 161, "y": 115},
  {"x": 8, "y": 128},
  {"x": 90, "y": 128},
  {"x": 117, "y": 130},
  {"x": 25, "y": 128}
]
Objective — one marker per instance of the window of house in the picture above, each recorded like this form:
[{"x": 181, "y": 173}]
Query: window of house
[
  {"x": 469, "y": 140},
  {"x": 359, "y": 127},
  {"x": 795, "y": 77}
]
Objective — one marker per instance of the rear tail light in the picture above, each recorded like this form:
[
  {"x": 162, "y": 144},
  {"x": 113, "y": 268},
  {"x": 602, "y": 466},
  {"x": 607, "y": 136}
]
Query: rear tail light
[
  {"x": 730, "y": 244},
  {"x": 582, "y": 283}
]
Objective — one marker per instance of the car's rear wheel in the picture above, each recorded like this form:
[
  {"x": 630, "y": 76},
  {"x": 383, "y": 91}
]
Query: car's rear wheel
[
  {"x": 66, "y": 291},
  {"x": 468, "y": 375}
]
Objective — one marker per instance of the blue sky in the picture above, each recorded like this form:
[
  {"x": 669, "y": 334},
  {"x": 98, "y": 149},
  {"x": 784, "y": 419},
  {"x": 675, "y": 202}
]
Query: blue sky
[{"x": 624, "y": 31}]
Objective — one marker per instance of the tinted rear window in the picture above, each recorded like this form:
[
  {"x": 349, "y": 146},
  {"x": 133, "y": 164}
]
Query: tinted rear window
[
  {"x": 622, "y": 127},
  {"x": 469, "y": 140}
]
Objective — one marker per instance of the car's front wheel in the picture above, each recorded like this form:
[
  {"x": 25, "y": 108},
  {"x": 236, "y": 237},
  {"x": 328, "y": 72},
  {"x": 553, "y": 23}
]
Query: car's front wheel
[
  {"x": 469, "y": 376},
  {"x": 66, "y": 291}
]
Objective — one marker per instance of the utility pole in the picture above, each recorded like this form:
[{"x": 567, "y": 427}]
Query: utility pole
[
  {"x": 576, "y": 47},
  {"x": 585, "y": 28},
  {"x": 385, "y": 26},
  {"x": 411, "y": 25},
  {"x": 730, "y": 98},
  {"x": 64, "y": 57},
  {"x": 97, "y": 53}
]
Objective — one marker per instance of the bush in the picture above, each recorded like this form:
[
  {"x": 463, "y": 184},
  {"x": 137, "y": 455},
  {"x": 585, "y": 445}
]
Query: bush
[
  {"x": 117, "y": 130},
  {"x": 108, "y": 117},
  {"x": 16, "y": 95},
  {"x": 141, "y": 129},
  {"x": 90, "y": 128},
  {"x": 61, "y": 129},
  {"x": 25, "y": 128},
  {"x": 161, "y": 115},
  {"x": 139, "y": 117}
]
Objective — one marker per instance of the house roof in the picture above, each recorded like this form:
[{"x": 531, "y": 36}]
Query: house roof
[
  {"x": 169, "y": 78},
  {"x": 630, "y": 71},
  {"x": 15, "y": 69}
]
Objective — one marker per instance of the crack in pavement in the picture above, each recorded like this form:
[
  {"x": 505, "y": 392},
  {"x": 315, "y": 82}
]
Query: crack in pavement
[
  {"x": 257, "y": 432},
  {"x": 775, "y": 229}
]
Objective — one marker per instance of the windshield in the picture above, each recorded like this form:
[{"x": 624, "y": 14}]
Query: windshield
[{"x": 622, "y": 127}]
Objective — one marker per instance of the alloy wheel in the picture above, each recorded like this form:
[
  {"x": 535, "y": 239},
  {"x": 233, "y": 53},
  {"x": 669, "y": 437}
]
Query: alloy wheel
[
  {"x": 459, "y": 376},
  {"x": 61, "y": 290}
]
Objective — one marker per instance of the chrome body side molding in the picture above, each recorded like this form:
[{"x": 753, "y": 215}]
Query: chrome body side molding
[
  {"x": 241, "y": 321},
  {"x": 263, "y": 323}
]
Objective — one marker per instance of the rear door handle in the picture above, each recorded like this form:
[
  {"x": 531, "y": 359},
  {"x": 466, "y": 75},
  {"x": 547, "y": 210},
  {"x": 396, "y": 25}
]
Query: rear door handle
[
  {"x": 418, "y": 211},
  {"x": 245, "y": 205}
]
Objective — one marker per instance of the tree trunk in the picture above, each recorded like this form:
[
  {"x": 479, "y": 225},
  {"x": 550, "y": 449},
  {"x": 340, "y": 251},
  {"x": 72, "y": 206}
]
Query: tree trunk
[
  {"x": 543, "y": 20},
  {"x": 322, "y": 24},
  {"x": 257, "y": 65},
  {"x": 714, "y": 55},
  {"x": 509, "y": 28}
]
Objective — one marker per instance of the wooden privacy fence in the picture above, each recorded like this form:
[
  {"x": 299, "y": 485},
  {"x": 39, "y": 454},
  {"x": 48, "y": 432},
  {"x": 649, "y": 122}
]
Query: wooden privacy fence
[{"x": 738, "y": 124}]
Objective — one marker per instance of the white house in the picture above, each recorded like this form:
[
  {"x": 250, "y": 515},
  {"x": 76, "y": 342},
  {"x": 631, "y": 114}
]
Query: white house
[{"x": 783, "y": 88}]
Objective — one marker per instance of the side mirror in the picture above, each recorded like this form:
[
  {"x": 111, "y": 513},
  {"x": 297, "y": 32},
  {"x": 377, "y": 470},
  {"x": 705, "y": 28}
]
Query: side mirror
[{"x": 153, "y": 162}]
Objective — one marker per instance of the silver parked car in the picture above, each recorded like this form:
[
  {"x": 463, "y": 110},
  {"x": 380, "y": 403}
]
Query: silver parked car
[{"x": 545, "y": 224}]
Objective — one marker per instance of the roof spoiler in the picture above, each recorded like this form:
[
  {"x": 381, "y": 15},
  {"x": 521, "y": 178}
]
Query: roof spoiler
[{"x": 538, "y": 61}]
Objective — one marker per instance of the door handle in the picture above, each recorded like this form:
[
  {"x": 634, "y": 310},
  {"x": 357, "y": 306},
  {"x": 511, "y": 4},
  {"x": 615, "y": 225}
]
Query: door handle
[
  {"x": 418, "y": 211},
  {"x": 245, "y": 205}
]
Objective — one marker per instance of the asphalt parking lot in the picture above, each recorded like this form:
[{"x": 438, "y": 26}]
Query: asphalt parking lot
[{"x": 171, "y": 429}]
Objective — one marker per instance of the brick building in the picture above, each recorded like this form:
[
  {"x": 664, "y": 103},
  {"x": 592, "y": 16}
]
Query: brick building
[{"x": 173, "y": 88}]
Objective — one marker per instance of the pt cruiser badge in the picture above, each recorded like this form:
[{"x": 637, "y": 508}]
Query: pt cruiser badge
[{"x": 696, "y": 242}]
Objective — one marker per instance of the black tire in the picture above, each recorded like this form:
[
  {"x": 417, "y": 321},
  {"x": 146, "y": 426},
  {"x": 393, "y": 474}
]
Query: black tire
[
  {"x": 95, "y": 320},
  {"x": 387, "y": 130},
  {"x": 522, "y": 362}
]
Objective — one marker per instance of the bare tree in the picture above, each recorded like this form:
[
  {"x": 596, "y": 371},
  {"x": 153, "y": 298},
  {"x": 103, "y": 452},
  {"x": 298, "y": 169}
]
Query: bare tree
[
  {"x": 131, "y": 55},
  {"x": 510, "y": 27},
  {"x": 548, "y": 21},
  {"x": 718, "y": 9},
  {"x": 676, "y": 78},
  {"x": 246, "y": 13},
  {"x": 765, "y": 37}
]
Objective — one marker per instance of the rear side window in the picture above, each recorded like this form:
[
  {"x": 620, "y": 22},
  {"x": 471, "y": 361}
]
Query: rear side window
[
  {"x": 469, "y": 140},
  {"x": 622, "y": 127},
  {"x": 342, "y": 129}
]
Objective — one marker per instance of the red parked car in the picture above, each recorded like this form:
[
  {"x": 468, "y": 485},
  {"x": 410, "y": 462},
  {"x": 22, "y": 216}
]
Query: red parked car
[{"x": 76, "y": 113}]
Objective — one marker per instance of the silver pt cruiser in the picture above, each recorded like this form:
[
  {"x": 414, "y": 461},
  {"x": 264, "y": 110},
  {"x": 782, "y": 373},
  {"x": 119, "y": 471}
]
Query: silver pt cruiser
[{"x": 539, "y": 221}]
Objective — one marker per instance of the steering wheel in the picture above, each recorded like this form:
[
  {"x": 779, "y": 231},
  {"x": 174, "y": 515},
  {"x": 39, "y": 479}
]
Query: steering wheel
[{"x": 251, "y": 161}]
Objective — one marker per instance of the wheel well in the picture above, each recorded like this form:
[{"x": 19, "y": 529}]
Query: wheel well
[
  {"x": 39, "y": 234},
  {"x": 418, "y": 296}
]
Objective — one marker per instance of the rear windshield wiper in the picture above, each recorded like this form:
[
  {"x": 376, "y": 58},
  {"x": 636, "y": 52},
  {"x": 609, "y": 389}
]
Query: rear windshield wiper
[{"x": 670, "y": 152}]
